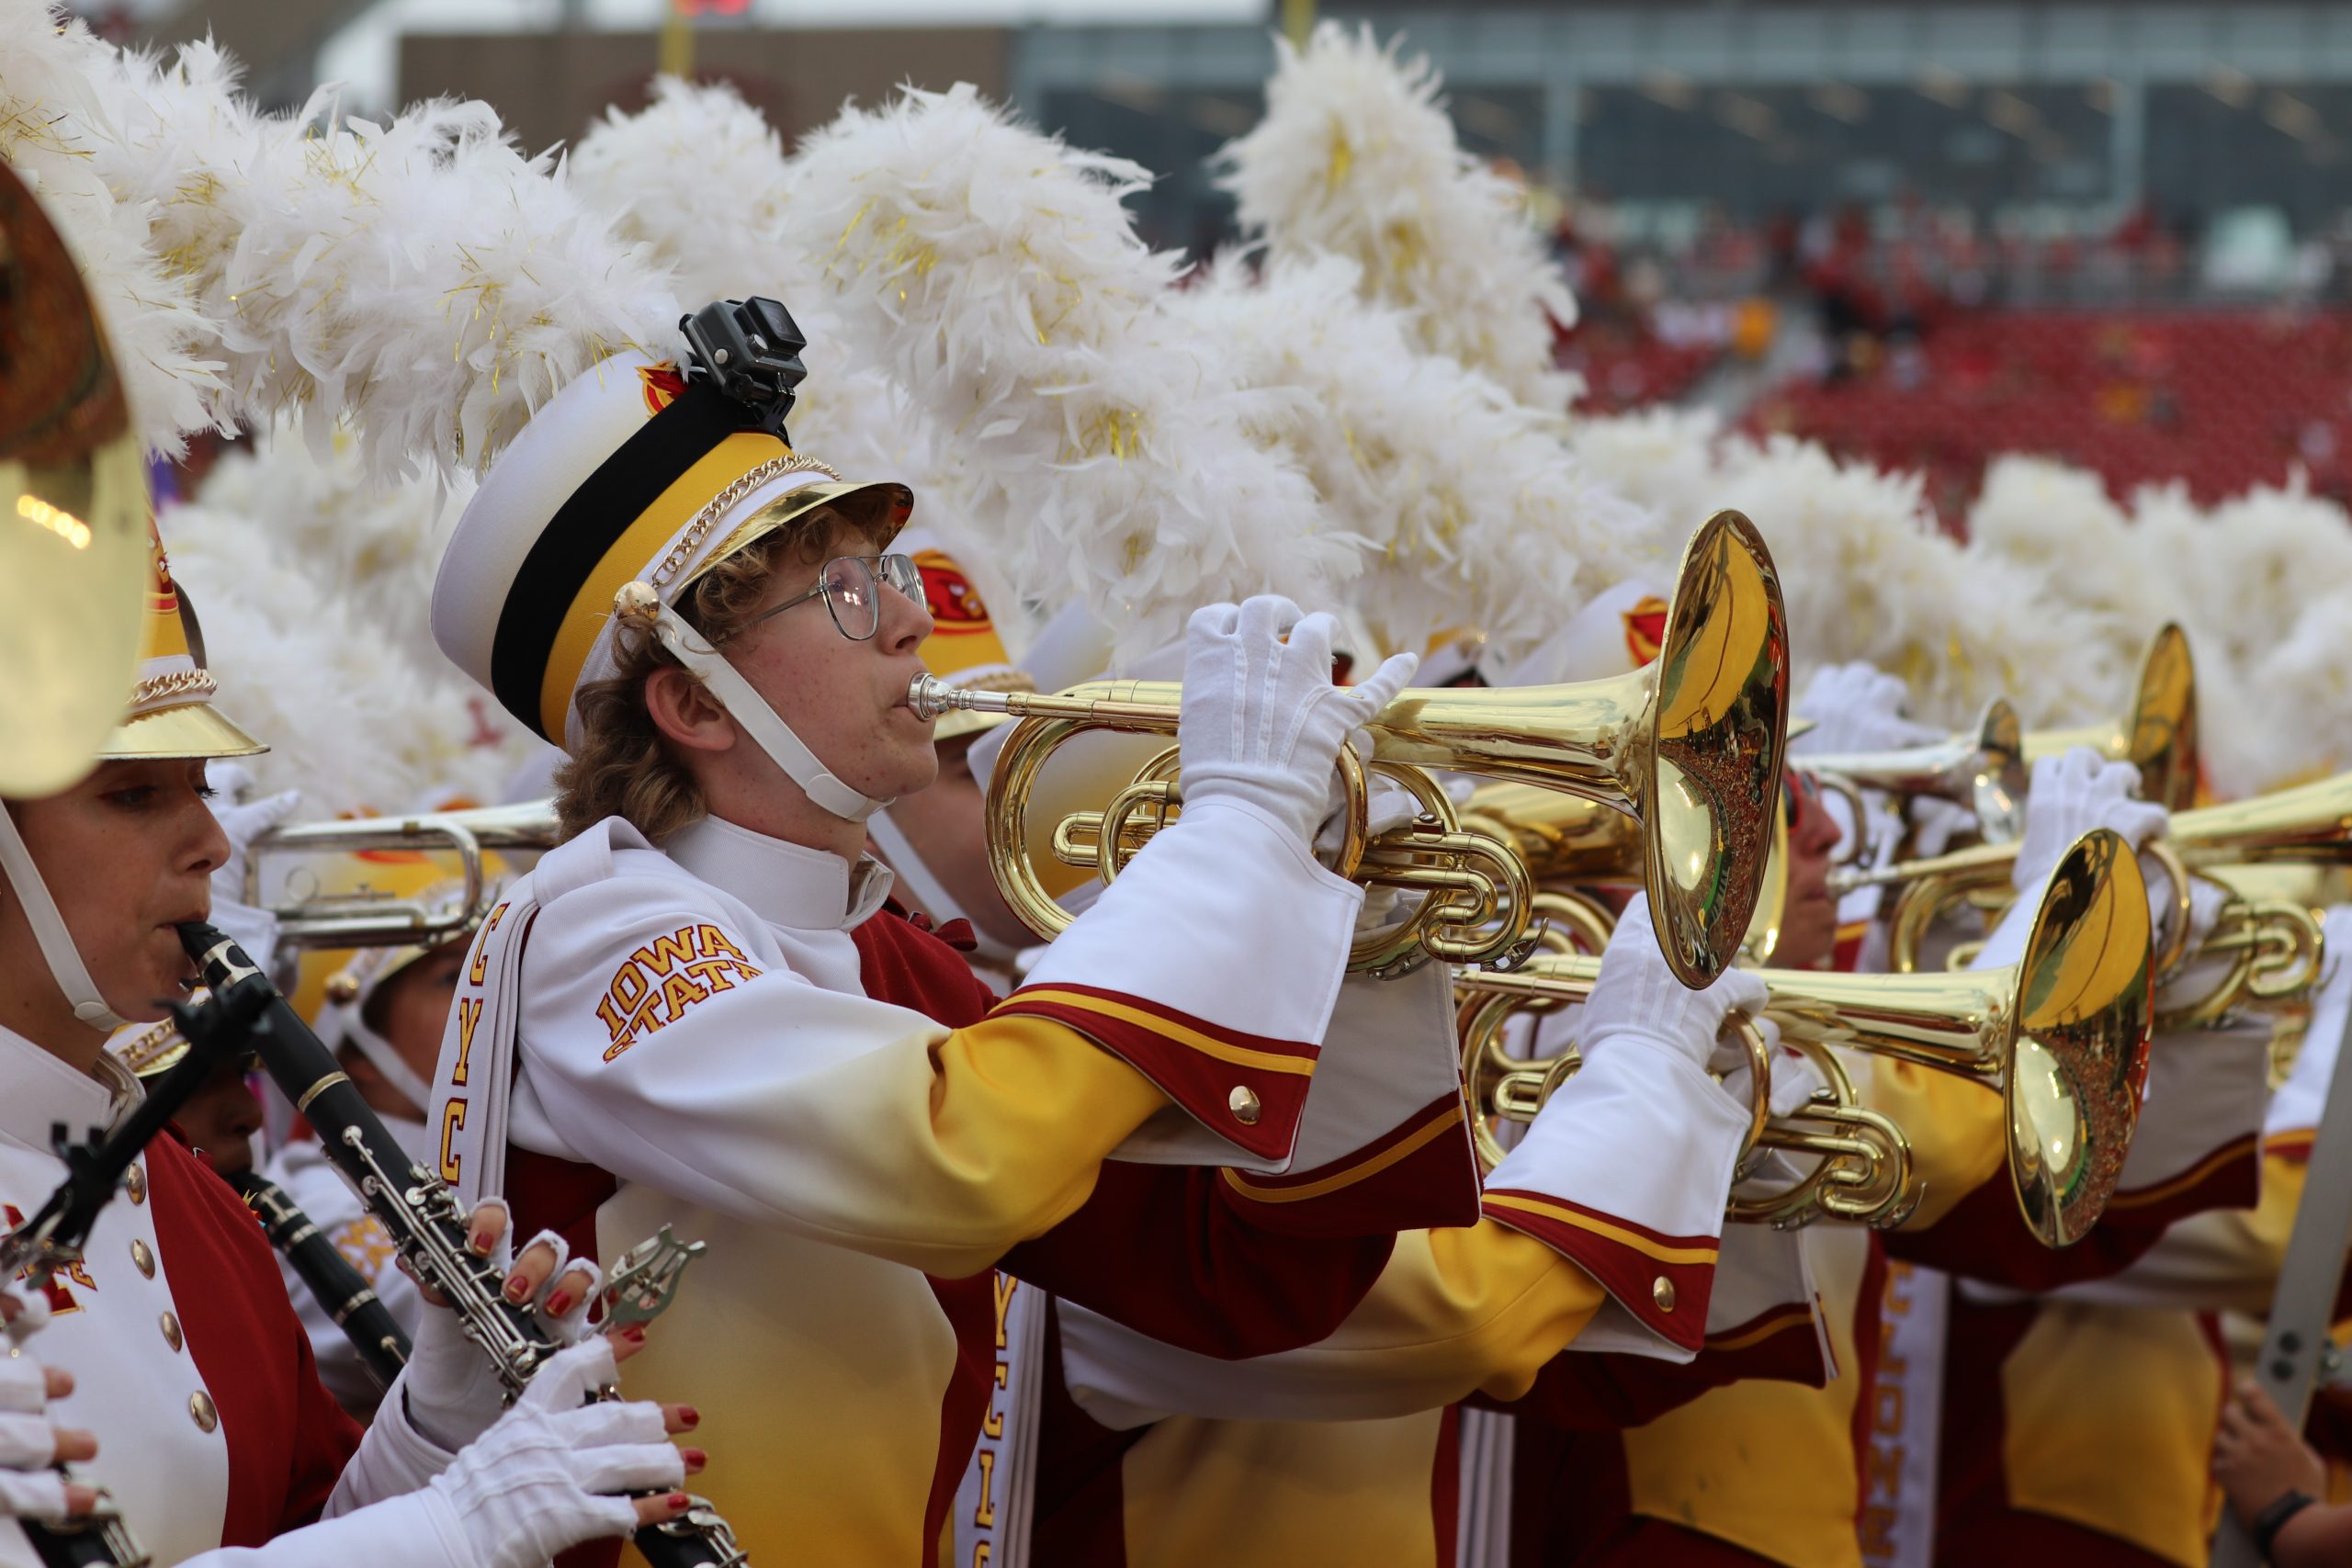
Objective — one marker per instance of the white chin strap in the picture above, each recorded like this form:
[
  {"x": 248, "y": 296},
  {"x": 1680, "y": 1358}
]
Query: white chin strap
[
  {"x": 751, "y": 710},
  {"x": 387, "y": 1061},
  {"x": 65, "y": 965}
]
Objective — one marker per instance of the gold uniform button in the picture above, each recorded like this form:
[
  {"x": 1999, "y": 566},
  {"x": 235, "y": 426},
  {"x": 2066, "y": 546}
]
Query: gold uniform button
[
  {"x": 1243, "y": 1103},
  {"x": 135, "y": 1181},
  {"x": 1662, "y": 1293},
  {"x": 142, "y": 1257},
  {"x": 200, "y": 1411},
  {"x": 172, "y": 1336}
]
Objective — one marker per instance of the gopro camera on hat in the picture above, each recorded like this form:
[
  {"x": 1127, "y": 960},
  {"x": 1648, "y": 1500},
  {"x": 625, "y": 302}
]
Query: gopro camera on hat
[{"x": 748, "y": 350}]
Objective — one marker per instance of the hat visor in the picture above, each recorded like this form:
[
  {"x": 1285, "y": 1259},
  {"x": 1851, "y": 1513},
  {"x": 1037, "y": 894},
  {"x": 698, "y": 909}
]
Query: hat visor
[
  {"x": 879, "y": 508},
  {"x": 187, "y": 729}
]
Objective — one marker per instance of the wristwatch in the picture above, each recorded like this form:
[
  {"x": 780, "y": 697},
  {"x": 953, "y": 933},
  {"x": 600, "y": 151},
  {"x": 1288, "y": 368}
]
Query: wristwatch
[{"x": 2273, "y": 1518}]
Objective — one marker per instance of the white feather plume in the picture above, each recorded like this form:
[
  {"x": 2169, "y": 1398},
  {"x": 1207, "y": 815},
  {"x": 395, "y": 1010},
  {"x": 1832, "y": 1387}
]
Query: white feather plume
[
  {"x": 52, "y": 133},
  {"x": 1471, "y": 512},
  {"x": 993, "y": 274},
  {"x": 1357, "y": 158},
  {"x": 723, "y": 235},
  {"x": 423, "y": 277},
  {"x": 373, "y": 547},
  {"x": 2293, "y": 719},
  {"x": 698, "y": 178},
  {"x": 352, "y": 724}
]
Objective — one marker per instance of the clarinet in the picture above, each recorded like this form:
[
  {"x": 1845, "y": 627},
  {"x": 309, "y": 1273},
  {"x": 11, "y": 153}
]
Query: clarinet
[
  {"x": 421, "y": 1214},
  {"x": 54, "y": 1236},
  {"x": 333, "y": 1282}
]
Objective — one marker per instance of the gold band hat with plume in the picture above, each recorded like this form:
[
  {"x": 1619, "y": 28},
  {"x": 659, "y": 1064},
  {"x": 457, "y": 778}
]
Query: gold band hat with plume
[{"x": 633, "y": 473}]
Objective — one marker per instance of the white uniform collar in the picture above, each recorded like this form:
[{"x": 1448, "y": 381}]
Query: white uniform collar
[
  {"x": 41, "y": 1090},
  {"x": 786, "y": 884}
]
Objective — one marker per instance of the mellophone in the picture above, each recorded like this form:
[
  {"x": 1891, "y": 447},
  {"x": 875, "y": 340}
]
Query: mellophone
[{"x": 421, "y": 1216}]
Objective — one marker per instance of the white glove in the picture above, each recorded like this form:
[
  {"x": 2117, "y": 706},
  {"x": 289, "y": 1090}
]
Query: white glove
[
  {"x": 30, "y": 1487},
  {"x": 2071, "y": 795},
  {"x": 243, "y": 819},
  {"x": 1855, "y": 707},
  {"x": 543, "y": 1479},
  {"x": 1262, "y": 720},
  {"x": 1638, "y": 1002},
  {"x": 1935, "y": 823},
  {"x": 448, "y": 1389},
  {"x": 1389, "y": 806}
]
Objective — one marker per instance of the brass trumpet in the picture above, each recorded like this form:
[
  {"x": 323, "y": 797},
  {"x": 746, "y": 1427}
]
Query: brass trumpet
[
  {"x": 2157, "y": 735},
  {"x": 1691, "y": 745},
  {"x": 1983, "y": 770},
  {"x": 2062, "y": 1034},
  {"x": 2311, "y": 825},
  {"x": 365, "y": 917}
]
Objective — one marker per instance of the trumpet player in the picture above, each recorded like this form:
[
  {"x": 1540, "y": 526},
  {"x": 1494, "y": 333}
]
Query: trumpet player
[
  {"x": 187, "y": 1385},
  {"x": 700, "y": 1007},
  {"x": 2163, "y": 1375},
  {"x": 1603, "y": 1233}
]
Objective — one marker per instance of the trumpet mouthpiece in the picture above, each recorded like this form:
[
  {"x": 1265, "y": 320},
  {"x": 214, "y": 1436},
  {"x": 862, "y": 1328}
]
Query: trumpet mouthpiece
[{"x": 930, "y": 697}]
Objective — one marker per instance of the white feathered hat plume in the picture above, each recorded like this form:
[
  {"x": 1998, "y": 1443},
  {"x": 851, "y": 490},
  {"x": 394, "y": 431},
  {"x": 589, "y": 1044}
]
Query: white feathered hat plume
[
  {"x": 997, "y": 279},
  {"x": 724, "y": 234},
  {"x": 2061, "y": 523},
  {"x": 1357, "y": 158},
  {"x": 422, "y": 278},
  {"x": 352, "y": 722},
  {"x": 1472, "y": 513},
  {"x": 373, "y": 547},
  {"x": 52, "y": 134},
  {"x": 2292, "y": 720}
]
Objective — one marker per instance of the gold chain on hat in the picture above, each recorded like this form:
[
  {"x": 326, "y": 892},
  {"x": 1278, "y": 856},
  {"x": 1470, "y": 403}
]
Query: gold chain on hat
[{"x": 718, "y": 506}]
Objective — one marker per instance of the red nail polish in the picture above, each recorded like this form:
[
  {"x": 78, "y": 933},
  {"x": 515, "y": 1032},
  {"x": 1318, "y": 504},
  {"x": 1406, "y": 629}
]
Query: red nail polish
[
  {"x": 518, "y": 1289},
  {"x": 690, "y": 1415},
  {"x": 558, "y": 1303},
  {"x": 678, "y": 1500},
  {"x": 695, "y": 1459},
  {"x": 634, "y": 1333}
]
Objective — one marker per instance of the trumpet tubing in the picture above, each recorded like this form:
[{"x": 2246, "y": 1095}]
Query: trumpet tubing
[
  {"x": 1689, "y": 746},
  {"x": 2310, "y": 825},
  {"x": 363, "y": 917},
  {"x": 1984, "y": 771},
  {"x": 2062, "y": 1034}
]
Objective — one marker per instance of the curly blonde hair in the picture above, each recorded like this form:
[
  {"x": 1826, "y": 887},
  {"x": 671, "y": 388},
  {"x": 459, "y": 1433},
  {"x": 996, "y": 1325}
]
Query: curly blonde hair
[{"x": 624, "y": 767}]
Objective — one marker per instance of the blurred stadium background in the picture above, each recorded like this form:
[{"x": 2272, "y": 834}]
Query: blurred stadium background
[{"x": 2117, "y": 233}]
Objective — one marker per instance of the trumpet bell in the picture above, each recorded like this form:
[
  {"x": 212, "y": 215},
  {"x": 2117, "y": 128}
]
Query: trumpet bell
[
  {"x": 2158, "y": 734},
  {"x": 2062, "y": 1035},
  {"x": 2085, "y": 999},
  {"x": 1984, "y": 771}
]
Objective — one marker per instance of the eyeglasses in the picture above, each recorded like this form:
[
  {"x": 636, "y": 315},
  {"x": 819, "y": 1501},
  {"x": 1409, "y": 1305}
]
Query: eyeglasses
[{"x": 850, "y": 587}]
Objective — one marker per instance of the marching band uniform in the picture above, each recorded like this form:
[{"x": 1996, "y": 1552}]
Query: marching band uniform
[
  {"x": 2082, "y": 1419},
  {"x": 1777, "y": 1472},
  {"x": 189, "y": 1362},
  {"x": 731, "y": 1035}
]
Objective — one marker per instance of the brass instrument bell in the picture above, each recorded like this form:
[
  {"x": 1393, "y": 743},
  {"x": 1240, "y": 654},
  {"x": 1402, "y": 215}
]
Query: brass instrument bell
[
  {"x": 73, "y": 513},
  {"x": 2062, "y": 1034}
]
